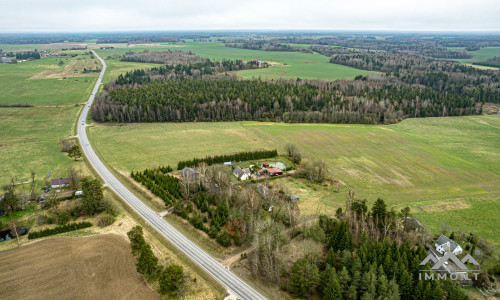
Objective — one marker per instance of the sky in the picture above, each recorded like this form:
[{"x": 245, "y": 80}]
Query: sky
[{"x": 126, "y": 15}]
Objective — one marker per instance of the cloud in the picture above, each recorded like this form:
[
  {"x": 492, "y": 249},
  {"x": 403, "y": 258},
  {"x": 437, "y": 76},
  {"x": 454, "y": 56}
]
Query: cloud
[{"x": 105, "y": 15}]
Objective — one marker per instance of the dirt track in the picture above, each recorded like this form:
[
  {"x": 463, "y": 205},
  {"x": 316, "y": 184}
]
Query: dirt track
[{"x": 96, "y": 267}]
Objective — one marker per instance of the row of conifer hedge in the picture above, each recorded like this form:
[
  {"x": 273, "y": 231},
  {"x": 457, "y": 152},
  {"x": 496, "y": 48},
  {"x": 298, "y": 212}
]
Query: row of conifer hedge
[
  {"x": 59, "y": 229},
  {"x": 218, "y": 159}
]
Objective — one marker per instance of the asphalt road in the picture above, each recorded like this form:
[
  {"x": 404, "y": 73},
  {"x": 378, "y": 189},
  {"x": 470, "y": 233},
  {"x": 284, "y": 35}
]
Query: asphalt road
[{"x": 214, "y": 268}]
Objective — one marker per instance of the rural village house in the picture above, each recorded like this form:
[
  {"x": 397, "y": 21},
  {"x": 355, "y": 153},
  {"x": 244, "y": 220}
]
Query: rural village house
[
  {"x": 242, "y": 174},
  {"x": 411, "y": 224},
  {"x": 57, "y": 183},
  {"x": 444, "y": 245}
]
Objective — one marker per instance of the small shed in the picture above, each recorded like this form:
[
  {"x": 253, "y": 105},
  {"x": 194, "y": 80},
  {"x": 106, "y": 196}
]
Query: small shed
[
  {"x": 274, "y": 172},
  {"x": 265, "y": 165},
  {"x": 294, "y": 198}
]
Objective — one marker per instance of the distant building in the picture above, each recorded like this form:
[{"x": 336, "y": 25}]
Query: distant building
[
  {"x": 228, "y": 163},
  {"x": 190, "y": 173},
  {"x": 57, "y": 183},
  {"x": 444, "y": 245},
  {"x": 242, "y": 174},
  {"x": 274, "y": 172},
  {"x": 5, "y": 60},
  {"x": 411, "y": 224},
  {"x": 265, "y": 165}
]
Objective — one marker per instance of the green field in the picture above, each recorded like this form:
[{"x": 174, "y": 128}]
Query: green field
[
  {"x": 18, "y": 85},
  {"x": 446, "y": 169},
  {"x": 480, "y": 55},
  {"x": 288, "y": 64},
  {"x": 115, "y": 67},
  {"x": 30, "y": 137}
]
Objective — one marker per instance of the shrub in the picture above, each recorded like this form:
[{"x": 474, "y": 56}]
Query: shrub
[
  {"x": 224, "y": 238},
  {"x": 63, "y": 218},
  {"x": 41, "y": 219},
  {"x": 59, "y": 229},
  {"x": 105, "y": 220}
]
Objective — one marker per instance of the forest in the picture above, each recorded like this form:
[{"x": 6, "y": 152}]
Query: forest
[
  {"x": 180, "y": 66},
  {"x": 440, "y": 75},
  {"x": 164, "y": 57},
  {"x": 358, "y": 101}
]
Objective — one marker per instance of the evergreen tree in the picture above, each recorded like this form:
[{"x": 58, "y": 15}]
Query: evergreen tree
[{"x": 332, "y": 288}]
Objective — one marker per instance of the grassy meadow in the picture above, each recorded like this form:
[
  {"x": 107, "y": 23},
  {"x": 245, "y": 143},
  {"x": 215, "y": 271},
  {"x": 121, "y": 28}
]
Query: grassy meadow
[
  {"x": 30, "y": 136},
  {"x": 446, "y": 169},
  {"x": 480, "y": 55},
  {"x": 285, "y": 64}
]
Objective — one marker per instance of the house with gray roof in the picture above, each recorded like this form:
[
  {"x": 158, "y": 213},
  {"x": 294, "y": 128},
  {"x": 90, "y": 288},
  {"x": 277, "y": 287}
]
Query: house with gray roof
[
  {"x": 190, "y": 173},
  {"x": 242, "y": 174},
  {"x": 445, "y": 244}
]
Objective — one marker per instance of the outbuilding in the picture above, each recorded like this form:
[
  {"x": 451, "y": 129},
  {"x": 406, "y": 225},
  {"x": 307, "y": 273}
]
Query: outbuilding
[{"x": 274, "y": 172}]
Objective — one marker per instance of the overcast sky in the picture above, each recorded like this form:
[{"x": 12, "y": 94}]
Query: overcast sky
[{"x": 122, "y": 15}]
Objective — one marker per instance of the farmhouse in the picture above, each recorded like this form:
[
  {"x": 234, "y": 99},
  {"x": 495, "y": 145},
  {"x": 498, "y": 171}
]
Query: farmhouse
[
  {"x": 57, "y": 183},
  {"x": 5, "y": 60},
  {"x": 274, "y": 172},
  {"x": 444, "y": 245},
  {"x": 242, "y": 174},
  {"x": 190, "y": 173},
  {"x": 411, "y": 224}
]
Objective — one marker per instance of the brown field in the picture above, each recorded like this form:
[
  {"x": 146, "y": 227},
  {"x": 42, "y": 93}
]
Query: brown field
[
  {"x": 71, "y": 68},
  {"x": 94, "y": 267}
]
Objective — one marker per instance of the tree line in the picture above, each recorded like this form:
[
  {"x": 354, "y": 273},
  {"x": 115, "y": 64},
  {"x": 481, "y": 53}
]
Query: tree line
[
  {"x": 171, "y": 279},
  {"x": 206, "y": 69},
  {"x": 219, "y": 159},
  {"x": 28, "y": 55}
]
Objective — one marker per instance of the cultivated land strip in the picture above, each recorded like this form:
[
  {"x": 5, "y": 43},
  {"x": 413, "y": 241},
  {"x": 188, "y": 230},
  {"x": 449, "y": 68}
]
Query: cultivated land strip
[{"x": 214, "y": 268}]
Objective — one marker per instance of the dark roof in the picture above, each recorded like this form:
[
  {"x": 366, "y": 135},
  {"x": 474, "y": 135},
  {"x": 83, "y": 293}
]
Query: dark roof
[
  {"x": 444, "y": 239},
  {"x": 59, "y": 181}
]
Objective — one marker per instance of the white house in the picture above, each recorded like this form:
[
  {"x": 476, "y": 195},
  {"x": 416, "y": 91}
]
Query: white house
[
  {"x": 444, "y": 244},
  {"x": 242, "y": 174}
]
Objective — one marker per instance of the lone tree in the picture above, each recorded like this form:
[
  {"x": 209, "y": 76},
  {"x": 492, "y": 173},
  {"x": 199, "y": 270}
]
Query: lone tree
[
  {"x": 293, "y": 152},
  {"x": 92, "y": 200},
  {"x": 75, "y": 152},
  {"x": 10, "y": 203},
  {"x": 405, "y": 212}
]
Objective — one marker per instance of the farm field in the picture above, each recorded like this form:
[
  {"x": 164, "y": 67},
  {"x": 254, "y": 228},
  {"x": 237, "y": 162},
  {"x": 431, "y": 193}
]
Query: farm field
[
  {"x": 480, "y": 55},
  {"x": 97, "y": 267},
  {"x": 287, "y": 64},
  {"x": 446, "y": 169},
  {"x": 30, "y": 136},
  {"x": 30, "y": 141},
  {"x": 40, "y": 82}
]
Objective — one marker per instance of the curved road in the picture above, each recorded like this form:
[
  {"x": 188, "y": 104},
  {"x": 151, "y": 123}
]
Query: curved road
[{"x": 219, "y": 272}]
